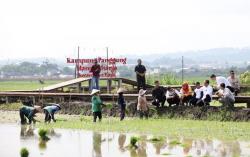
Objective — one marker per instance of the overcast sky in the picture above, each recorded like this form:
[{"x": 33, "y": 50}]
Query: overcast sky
[{"x": 54, "y": 28}]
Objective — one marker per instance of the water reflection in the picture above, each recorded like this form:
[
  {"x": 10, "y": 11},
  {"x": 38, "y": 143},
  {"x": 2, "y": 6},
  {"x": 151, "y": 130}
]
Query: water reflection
[
  {"x": 27, "y": 131},
  {"x": 121, "y": 142},
  {"x": 80, "y": 143},
  {"x": 97, "y": 142}
]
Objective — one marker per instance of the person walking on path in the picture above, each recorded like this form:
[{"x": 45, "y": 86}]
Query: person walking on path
[
  {"x": 142, "y": 105},
  {"x": 121, "y": 103},
  {"x": 96, "y": 105},
  {"x": 140, "y": 71},
  {"x": 95, "y": 70}
]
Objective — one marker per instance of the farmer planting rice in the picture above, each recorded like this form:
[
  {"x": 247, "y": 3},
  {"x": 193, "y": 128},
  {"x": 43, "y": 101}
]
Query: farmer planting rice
[
  {"x": 96, "y": 105},
  {"x": 28, "y": 112},
  {"x": 121, "y": 103},
  {"x": 49, "y": 112}
]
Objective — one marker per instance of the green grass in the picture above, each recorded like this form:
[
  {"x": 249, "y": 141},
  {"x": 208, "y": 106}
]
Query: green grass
[
  {"x": 25, "y": 84},
  {"x": 10, "y": 106},
  {"x": 159, "y": 127}
]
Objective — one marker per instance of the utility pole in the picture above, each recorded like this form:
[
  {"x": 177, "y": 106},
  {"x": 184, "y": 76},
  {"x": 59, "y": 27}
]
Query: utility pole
[
  {"x": 182, "y": 69},
  {"x": 77, "y": 64},
  {"x": 78, "y": 56},
  {"x": 107, "y": 49}
]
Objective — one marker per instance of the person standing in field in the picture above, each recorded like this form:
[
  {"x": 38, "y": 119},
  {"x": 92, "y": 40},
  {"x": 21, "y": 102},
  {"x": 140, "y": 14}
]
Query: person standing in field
[
  {"x": 219, "y": 80},
  {"x": 159, "y": 95},
  {"x": 226, "y": 97},
  {"x": 142, "y": 105},
  {"x": 121, "y": 103},
  {"x": 29, "y": 112},
  {"x": 49, "y": 112},
  {"x": 235, "y": 82},
  {"x": 140, "y": 71},
  {"x": 96, "y": 105},
  {"x": 95, "y": 70}
]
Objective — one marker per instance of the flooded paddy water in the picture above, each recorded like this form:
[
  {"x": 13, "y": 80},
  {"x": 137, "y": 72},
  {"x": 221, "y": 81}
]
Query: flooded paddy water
[{"x": 81, "y": 143}]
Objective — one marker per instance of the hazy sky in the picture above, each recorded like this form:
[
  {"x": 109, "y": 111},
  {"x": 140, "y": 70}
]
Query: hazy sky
[{"x": 54, "y": 28}]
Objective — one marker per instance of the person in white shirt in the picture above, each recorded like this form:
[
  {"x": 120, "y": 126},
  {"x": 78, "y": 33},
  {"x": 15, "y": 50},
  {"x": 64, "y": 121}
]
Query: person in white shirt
[
  {"x": 198, "y": 94},
  {"x": 219, "y": 80},
  {"x": 172, "y": 96},
  {"x": 226, "y": 97},
  {"x": 235, "y": 82},
  {"x": 207, "y": 94}
]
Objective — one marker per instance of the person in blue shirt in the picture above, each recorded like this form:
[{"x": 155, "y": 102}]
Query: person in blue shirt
[
  {"x": 28, "y": 112},
  {"x": 121, "y": 103},
  {"x": 49, "y": 112}
]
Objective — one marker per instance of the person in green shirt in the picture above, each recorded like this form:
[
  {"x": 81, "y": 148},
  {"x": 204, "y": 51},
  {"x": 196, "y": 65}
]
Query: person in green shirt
[
  {"x": 29, "y": 113},
  {"x": 96, "y": 105}
]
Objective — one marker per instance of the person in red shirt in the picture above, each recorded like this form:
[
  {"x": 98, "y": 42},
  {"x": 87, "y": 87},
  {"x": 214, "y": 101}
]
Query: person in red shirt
[{"x": 95, "y": 70}]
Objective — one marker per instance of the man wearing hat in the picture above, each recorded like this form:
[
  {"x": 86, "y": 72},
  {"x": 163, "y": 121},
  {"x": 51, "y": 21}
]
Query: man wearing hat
[
  {"x": 121, "y": 103},
  {"x": 96, "y": 105},
  {"x": 29, "y": 113},
  {"x": 142, "y": 106},
  {"x": 50, "y": 110}
]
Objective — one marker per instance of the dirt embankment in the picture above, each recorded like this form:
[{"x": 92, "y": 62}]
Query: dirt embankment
[{"x": 185, "y": 112}]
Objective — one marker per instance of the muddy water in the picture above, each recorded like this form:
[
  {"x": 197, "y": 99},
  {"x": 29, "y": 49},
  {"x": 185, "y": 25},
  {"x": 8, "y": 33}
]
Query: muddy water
[{"x": 79, "y": 143}]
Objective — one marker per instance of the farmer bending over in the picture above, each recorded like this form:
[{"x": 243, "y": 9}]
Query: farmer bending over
[
  {"x": 96, "y": 105},
  {"x": 29, "y": 112},
  {"x": 49, "y": 112}
]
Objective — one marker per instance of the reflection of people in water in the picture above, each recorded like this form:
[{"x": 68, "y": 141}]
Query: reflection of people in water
[
  {"x": 158, "y": 146},
  {"x": 141, "y": 150},
  {"x": 229, "y": 149},
  {"x": 121, "y": 142},
  {"x": 97, "y": 143},
  {"x": 26, "y": 131}
]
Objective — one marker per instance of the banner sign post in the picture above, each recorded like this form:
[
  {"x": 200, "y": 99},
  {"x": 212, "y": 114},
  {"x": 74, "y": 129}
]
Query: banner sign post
[{"x": 108, "y": 66}]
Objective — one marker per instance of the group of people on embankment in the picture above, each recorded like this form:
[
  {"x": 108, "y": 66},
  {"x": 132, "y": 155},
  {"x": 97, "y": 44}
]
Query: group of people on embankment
[{"x": 226, "y": 90}]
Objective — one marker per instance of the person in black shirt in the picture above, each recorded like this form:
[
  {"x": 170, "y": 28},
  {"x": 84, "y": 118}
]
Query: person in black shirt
[
  {"x": 121, "y": 103},
  {"x": 159, "y": 95},
  {"x": 140, "y": 75}
]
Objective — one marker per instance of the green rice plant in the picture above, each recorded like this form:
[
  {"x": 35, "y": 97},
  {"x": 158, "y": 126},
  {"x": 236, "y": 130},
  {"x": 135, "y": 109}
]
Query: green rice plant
[
  {"x": 133, "y": 141},
  {"x": 157, "y": 139},
  {"x": 174, "y": 143},
  {"x": 24, "y": 152},
  {"x": 43, "y": 134}
]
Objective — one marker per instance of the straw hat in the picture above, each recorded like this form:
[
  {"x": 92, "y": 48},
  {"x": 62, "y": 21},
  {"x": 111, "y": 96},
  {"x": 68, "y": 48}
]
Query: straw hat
[
  {"x": 94, "y": 91},
  {"x": 57, "y": 105},
  {"x": 38, "y": 108},
  {"x": 142, "y": 92},
  {"x": 121, "y": 90}
]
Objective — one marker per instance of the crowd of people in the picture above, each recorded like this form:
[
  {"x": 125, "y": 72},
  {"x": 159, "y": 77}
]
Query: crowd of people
[{"x": 226, "y": 89}]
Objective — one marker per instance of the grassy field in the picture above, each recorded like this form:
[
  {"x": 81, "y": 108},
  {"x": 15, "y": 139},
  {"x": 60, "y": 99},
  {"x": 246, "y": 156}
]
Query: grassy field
[{"x": 25, "y": 84}]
